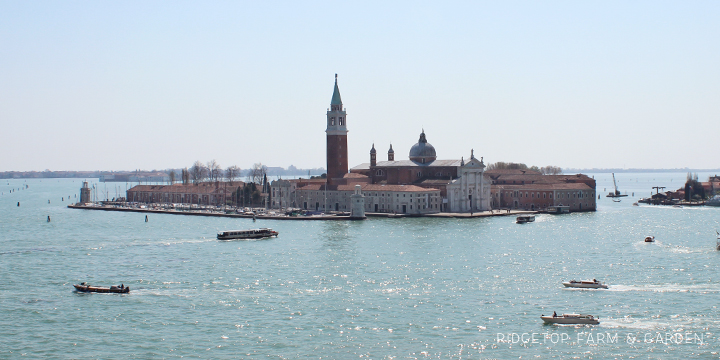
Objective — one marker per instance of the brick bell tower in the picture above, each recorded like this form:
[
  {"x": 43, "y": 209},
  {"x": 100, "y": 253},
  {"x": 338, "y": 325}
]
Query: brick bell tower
[{"x": 337, "y": 156}]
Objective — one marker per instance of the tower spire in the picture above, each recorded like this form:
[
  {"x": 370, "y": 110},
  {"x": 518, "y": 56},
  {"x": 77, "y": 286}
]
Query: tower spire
[
  {"x": 336, "y": 102},
  {"x": 337, "y": 158}
]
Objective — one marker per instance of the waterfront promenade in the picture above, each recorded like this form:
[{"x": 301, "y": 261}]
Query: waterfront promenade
[{"x": 272, "y": 214}]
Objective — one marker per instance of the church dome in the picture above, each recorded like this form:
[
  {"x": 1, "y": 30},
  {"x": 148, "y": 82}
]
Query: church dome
[{"x": 422, "y": 152}]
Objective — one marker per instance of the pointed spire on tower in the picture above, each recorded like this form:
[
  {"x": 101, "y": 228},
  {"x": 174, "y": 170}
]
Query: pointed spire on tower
[{"x": 336, "y": 100}]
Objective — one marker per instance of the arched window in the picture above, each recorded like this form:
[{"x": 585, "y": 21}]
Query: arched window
[{"x": 332, "y": 121}]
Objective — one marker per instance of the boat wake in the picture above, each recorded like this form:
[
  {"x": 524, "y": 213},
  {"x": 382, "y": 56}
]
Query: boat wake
[
  {"x": 683, "y": 249},
  {"x": 658, "y": 324},
  {"x": 697, "y": 288}
]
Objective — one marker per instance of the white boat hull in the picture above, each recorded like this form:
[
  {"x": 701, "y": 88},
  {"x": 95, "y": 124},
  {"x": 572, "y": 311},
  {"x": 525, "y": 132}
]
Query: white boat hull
[
  {"x": 572, "y": 319},
  {"x": 584, "y": 285}
]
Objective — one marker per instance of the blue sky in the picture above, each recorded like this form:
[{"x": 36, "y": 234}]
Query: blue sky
[{"x": 153, "y": 85}]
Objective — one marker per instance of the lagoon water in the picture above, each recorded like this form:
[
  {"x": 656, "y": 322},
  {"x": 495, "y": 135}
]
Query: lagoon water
[{"x": 380, "y": 288}]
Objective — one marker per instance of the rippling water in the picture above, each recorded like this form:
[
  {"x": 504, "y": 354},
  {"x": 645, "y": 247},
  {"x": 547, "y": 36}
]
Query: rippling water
[{"x": 380, "y": 288}]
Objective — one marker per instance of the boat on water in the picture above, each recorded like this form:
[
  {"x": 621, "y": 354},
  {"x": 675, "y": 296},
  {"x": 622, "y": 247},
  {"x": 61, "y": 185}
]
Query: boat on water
[
  {"x": 585, "y": 284},
  {"x": 616, "y": 193},
  {"x": 525, "y": 219},
  {"x": 717, "y": 245},
  {"x": 84, "y": 287},
  {"x": 714, "y": 201},
  {"x": 650, "y": 238},
  {"x": 247, "y": 234},
  {"x": 570, "y": 319}
]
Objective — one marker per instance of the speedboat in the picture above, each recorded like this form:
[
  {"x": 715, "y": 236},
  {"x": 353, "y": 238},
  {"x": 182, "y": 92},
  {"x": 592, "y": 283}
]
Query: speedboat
[
  {"x": 83, "y": 287},
  {"x": 247, "y": 234},
  {"x": 570, "y": 319},
  {"x": 525, "y": 219},
  {"x": 585, "y": 284},
  {"x": 649, "y": 238}
]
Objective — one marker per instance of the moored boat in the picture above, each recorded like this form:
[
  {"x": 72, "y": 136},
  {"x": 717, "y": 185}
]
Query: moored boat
[
  {"x": 247, "y": 234},
  {"x": 571, "y": 319},
  {"x": 524, "y": 219},
  {"x": 83, "y": 287},
  {"x": 585, "y": 284},
  {"x": 650, "y": 238}
]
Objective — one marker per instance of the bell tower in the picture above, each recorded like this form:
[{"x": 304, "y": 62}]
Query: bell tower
[{"x": 337, "y": 156}]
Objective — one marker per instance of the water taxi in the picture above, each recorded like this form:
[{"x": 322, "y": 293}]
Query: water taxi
[
  {"x": 585, "y": 284},
  {"x": 247, "y": 234},
  {"x": 83, "y": 287},
  {"x": 570, "y": 319},
  {"x": 649, "y": 239},
  {"x": 524, "y": 219}
]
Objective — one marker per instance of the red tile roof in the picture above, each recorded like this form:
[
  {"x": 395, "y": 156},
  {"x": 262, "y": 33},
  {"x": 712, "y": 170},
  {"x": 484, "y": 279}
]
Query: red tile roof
[{"x": 370, "y": 187}]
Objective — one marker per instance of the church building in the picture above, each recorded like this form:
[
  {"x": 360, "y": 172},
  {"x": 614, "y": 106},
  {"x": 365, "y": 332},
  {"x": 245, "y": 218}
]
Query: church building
[{"x": 422, "y": 184}]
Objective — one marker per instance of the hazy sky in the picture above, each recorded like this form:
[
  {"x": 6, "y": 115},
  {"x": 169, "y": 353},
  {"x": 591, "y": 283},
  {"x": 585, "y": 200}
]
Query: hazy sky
[{"x": 152, "y": 84}]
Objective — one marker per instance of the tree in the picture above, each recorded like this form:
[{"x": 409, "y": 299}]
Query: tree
[
  {"x": 551, "y": 170},
  {"x": 172, "y": 176},
  {"x": 185, "y": 174},
  {"x": 232, "y": 173},
  {"x": 198, "y": 173},
  {"x": 693, "y": 188},
  {"x": 214, "y": 170},
  {"x": 506, "y": 166},
  {"x": 257, "y": 173}
]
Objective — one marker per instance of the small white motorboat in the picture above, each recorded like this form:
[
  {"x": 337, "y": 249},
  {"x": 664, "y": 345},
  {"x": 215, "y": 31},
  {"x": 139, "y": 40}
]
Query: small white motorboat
[
  {"x": 585, "y": 284},
  {"x": 650, "y": 238},
  {"x": 570, "y": 319}
]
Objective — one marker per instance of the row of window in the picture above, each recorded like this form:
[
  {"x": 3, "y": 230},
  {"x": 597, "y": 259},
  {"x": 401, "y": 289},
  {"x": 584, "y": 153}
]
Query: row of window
[
  {"x": 341, "y": 121},
  {"x": 545, "y": 195}
]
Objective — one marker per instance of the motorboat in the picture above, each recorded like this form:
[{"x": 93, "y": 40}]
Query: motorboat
[
  {"x": 525, "y": 219},
  {"x": 84, "y": 287},
  {"x": 714, "y": 201},
  {"x": 570, "y": 319},
  {"x": 649, "y": 238},
  {"x": 247, "y": 234},
  {"x": 585, "y": 284}
]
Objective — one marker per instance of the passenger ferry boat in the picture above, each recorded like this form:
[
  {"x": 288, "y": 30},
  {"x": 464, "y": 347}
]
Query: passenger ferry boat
[
  {"x": 524, "y": 219},
  {"x": 247, "y": 234}
]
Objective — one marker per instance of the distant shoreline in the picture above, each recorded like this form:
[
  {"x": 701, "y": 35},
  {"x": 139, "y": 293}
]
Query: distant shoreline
[{"x": 574, "y": 171}]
